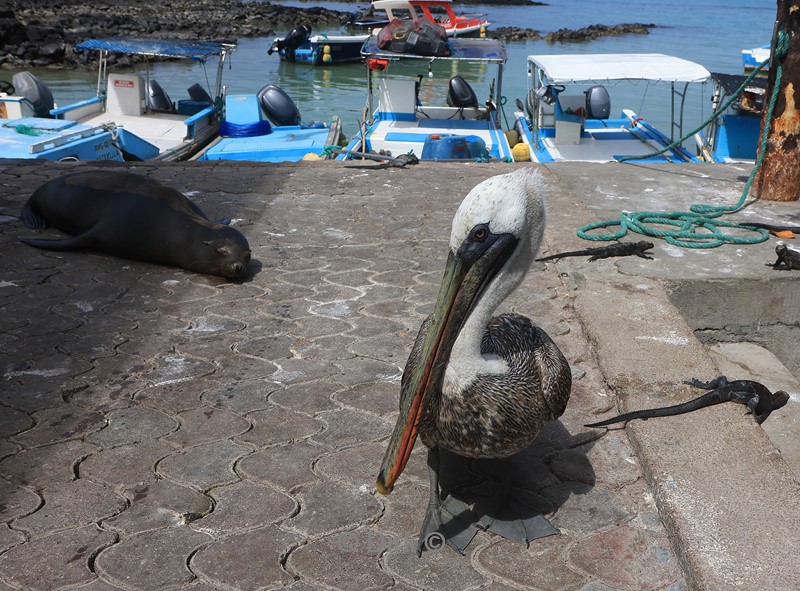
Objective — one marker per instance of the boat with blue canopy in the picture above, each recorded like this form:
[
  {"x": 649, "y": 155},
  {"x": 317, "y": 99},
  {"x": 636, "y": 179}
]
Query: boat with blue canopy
[
  {"x": 567, "y": 115},
  {"x": 411, "y": 118},
  {"x": 130, "y": 116}
]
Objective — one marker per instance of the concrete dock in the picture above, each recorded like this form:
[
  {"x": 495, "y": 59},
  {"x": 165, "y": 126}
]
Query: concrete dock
[{"x": 168, "y": 430}]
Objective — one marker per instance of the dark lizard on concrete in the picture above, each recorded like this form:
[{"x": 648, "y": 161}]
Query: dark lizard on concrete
[
  {"x": 788, "y": 256},
  {"x": 760, "y": 402},
  {"x": 618, "y": 249}
]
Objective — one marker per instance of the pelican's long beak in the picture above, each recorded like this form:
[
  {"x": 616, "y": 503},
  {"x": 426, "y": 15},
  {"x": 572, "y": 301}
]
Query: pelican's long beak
[{"x": 466, "y": 276}]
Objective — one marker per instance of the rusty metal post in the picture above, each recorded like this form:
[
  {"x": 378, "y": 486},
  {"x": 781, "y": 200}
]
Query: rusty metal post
[{"x": 778, "y": 179}]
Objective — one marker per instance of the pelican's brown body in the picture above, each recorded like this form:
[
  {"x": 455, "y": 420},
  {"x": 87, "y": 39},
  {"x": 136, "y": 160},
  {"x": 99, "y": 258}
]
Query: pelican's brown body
[{"x": 500, "y": 415}]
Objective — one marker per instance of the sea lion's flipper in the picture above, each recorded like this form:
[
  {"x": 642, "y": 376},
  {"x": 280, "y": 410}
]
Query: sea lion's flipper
[
  {"x": 80, "y": 242},
  {"x": 32, "y": 218}
]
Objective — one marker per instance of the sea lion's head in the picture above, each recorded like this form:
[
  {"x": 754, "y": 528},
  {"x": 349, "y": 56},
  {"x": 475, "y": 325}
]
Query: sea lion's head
[{"x": 227, "y": 254}]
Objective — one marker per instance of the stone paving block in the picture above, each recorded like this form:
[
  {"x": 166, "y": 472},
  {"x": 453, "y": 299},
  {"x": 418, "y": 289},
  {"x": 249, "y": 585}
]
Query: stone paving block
[
  {"x": 354, "y": 465},
  {"x": 328, "y": 348},
  {"x": 166, "y": 553},
  {"x": 16, "y": 501},
  {"x": 275, "y": 347},
  {"x": 328, "y": 507},
  {"x": 204, "y": 425},
  {"x": 310, "y": 398},
  {"x": 389, "y": 347},
  {"x": 126, "y": 466},
  {"x": 277, "y": 425},
  {"x": 160, "y": 504},
  {"x": 583, "y": 510},
  {"x": 379, "y": 398},
  {"x": 72, "y": 505},
  {"x": 131, "y": 425},
  {"x": 250, "y": 560},
  {"x": 204, "y": 466},
  {"x": 242, "y": 397},
  {"x": 53, "y": 425},
  {"x": 285, "y": 466},
  {"x": 359, "y": 370},
  {"x": 50, "y": 364},
  {"x": 298, "y": 371},
  {"x": 244, "y": 506},
  {"x": 45, "y": 466},
  {"x": 172, "y": 367},
  {"x": 13, "y": 421},
  {"x": 347, "y": 427},
  {"x": 628, "y": 557},
  {"x": 542, "y": 566},
  {"x": 55, "y": 561},
  {"x": 346, "y": 561},
  {"x": 436, "y": 570},
  {"x": 177, "y": 397},
  {"x": 9, "y": 538}
]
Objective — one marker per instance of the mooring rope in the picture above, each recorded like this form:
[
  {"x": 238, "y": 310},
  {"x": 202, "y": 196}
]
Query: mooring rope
[{"x": 699, "y": 227}]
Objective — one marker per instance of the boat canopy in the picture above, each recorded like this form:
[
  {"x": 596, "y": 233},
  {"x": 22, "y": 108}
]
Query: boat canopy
[
  {"x": 491, "y": 51},
  {"x": 613, "y": 67},
  {"x": 177, "y": 48}
]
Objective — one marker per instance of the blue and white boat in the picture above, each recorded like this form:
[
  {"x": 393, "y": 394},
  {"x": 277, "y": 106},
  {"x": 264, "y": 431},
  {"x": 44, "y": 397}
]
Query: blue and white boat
[
  {"x": 318, "y": 50},
  {"x": 130, "y": 116},
  {"x": 267, "y": 127},
  {"x": 567, "y": 115},
  {"x": 405, "y": 121},
  {"x": 752, "y": 58},
  {"x": 734, "y": 135}
]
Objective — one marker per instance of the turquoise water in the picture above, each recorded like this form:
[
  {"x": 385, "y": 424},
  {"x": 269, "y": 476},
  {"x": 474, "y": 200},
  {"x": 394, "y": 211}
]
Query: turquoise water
[{"x": 711, "y": 33}]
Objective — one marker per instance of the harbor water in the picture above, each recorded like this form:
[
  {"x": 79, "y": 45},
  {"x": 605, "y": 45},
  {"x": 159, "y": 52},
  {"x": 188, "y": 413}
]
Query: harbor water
[{"x": 710, "y": 33}]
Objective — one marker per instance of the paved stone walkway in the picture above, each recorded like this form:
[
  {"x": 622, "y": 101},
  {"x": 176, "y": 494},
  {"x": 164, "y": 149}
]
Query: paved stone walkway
[{"x": 165, "y": 430}]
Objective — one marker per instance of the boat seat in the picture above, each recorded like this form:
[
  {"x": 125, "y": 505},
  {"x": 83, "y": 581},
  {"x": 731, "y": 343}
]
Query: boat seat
[{"x": 569, "y": 126}]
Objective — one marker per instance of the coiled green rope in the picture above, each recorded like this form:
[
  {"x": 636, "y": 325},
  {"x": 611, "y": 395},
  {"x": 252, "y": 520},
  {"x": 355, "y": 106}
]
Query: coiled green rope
[{"x": 699, "y": 227}]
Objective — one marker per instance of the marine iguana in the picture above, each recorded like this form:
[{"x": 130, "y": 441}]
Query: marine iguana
[
  {"x": 760, "y": 402},
  {"x": 618, "y": 249},
  {"x": 787, "y": 255}
]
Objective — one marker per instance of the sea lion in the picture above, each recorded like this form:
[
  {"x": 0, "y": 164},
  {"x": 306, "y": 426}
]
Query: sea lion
[{"x": 133, "y": 217}]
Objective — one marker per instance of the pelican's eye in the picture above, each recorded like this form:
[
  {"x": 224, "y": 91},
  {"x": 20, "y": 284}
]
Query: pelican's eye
[{"x": 480, "y": 233}]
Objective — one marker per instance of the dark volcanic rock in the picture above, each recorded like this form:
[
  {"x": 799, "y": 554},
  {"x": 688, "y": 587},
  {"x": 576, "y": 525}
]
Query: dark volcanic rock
[
  {"x": 45, "y": 32},
  {"x": 597, "y": 31}
]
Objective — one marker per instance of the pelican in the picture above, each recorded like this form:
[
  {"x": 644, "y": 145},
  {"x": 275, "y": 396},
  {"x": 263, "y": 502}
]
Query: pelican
[{"x": 476, "y": 385}]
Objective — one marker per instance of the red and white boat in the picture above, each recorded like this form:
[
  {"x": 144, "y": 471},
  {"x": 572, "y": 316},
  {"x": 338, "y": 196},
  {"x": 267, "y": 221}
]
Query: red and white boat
[{"x": 439, "y": 12}]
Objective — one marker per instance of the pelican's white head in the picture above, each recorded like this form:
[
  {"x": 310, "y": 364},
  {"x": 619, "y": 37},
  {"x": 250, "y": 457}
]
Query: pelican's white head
[{"x": 510, "y": 203}]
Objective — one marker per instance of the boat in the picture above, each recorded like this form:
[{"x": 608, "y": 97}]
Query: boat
[
  {"x": 317, "y": 50},
  {"x": 567, "y": 113},
  {"x": 267, "y": 127},
  {"x": 461, "y": 128},
  {"x": 28, "y": 130},
  {"x": 733, "y": 136},
  {"x": 752, "y": 58},
  {"x": 437, "y": 11},
  {"x": 130, "y": 117},
  {"x": 299, "y": 45}
]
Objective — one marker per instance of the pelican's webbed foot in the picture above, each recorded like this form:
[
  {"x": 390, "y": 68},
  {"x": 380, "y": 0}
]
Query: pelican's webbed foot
[
  {"x": 513, "y": 513},
  {"x": 511, "y": 517},
  {"x": 447, "y": 520}
]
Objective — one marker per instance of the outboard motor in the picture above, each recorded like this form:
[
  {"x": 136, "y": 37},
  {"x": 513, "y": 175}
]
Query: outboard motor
[
  {"x": 278, "y": 106},
  {"x": 292, "y": 41},
  {"x": 157, "y": 97},
  {"x": 461, "y": 94},
  {"x": 598, "y": 103},
  {"x": 199, "y": 94},
  {"x": 35, "y": 91}
]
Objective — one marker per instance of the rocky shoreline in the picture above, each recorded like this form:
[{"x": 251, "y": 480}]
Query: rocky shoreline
[{"x": 43, "y": 33}]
